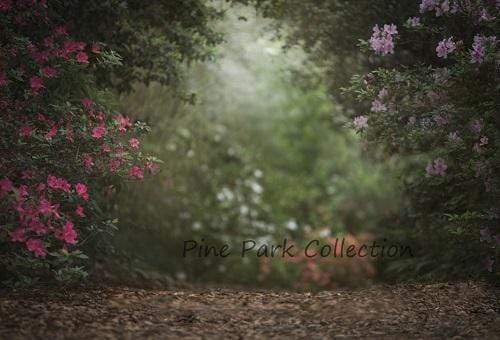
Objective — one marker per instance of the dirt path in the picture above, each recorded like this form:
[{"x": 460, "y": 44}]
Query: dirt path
[{"x": 402, "y": 311}]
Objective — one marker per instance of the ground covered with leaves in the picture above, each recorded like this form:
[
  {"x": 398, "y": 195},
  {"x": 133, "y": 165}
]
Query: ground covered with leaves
[{"x": 417, "y": 311}]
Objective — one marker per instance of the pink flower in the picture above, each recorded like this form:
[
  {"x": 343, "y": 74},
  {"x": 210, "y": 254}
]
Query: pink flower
[
  {"x": 5, "y": 5},
  {"x": 114, "y": 164},
  {"x": 37, "y": 227},
  {"x": 445, "y": 47},
  {"x": 69, "y": 234},
  {"x": 18, "y": 235},
  {"x": 134, "y": 143},
  {"x": 87, "y": 103},
  {"x": 36, "y": 246},
  {"x": 46, "y": 208},
  {"x": 49, "y": 72},
  {"x": 360, "y": 122},
  {"x": 81, "y": 190},
  {"x": 99, "y": 131},
  {"x": 52, "y": 132},
  {"x": 36, "y": 84},
  {"x": 5, "y": 185},
  {"x": 58, "y": 183},
  {"x": 88, "y": 162},
  {"x": 136, "y": 172},
  {"x": 80, "y": 211},
  {"x": 123, "y": 123},
  {"x": 61, "y": 30},
  {"x": 27, "y": 174},
  {"x": 82, "y": 58},
  {"x": 25, "y": 131},
  {"x": 153, "y": 168}
]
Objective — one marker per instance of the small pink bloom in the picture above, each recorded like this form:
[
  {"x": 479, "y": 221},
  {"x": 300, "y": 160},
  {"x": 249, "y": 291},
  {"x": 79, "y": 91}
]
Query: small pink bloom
[
  {"x": 18, "y": 235},
  {"x": 27, "y": 174},
  {"x": 49, "y": 72},
  {"x": 52, "y": 132},
  {"x": 88, "y": 161},
  {"x": 134, "y": 143},
  {"x": 69, "y": 234},
  {"x": 80, "y": 211},
  {"x": 114, "y": 164},
  {"x": 82, "y": 58},
  {"x": 81, "y": 190},
  {"x": 61, "y": 30},
  {"x": 99, "y": 131},
  {"x": 37, "y": 227},
  {"x": 5, "y": 185},
  {"x": 445, "y": 47},
  {"x": 153, "y": 168},
  {"x": 5, "y": 5},
  {"x": 123, "y": 123},
  {"x": 25, "y": 131},
  {"x": 36, "y": 246},
  {"x": 136, "y": 172},
  {"x": 36, "y": 84},
  {"x": 87, "y": 103}
]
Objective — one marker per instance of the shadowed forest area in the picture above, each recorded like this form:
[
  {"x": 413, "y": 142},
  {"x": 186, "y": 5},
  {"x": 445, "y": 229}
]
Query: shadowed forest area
[{"x": 249, "y": 168}]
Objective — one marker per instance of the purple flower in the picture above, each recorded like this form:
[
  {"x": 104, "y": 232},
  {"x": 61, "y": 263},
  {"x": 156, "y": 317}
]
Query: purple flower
[
  {"x": 445, "y": 47},
  {"x": 438, "y": 167},
  {"x": 382, "y": 41},
  {"x": 413, "y": 22},
  {"x": 378, "y": 106},
  {"x": 360, "y": 122},
  {"x": 454, "y": 136}
]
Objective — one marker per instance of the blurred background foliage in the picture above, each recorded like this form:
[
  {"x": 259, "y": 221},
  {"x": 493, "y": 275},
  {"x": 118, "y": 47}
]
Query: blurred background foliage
[{"x": 254, "y": 147}]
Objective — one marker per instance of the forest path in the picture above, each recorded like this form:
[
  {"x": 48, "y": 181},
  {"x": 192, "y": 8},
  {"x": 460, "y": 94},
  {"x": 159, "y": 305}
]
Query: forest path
[{"x": 400, "y": 311}]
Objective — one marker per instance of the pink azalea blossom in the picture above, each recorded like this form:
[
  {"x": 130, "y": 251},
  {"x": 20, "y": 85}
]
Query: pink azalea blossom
[
  {"x": 87, "y": 103},
  {"x": 18, "y": 235},
  {"x": 58, "y": 183},
  {"x": 37, "y": 227},
  {"x": 88, "y": 161},
  {"x": 82, "y": 191},
  {"x": 5, "y": 5},
  {"x": 46, "y": 208},
  {"x": 5, "y": 185},
  {"x": 136, "y": 172},
  {"x": 153, "y": 168},
  {"x": 36, "y": 84},
  {"x": 52, "y": 132},
  {"x": 69, "y": 234},
  {"x": 25, "y": 131},
  {"x": 114, "y": 164},
  {"x": 99, "y": 131},
  {"x": 36, "y": 246},
  {"x": 80, "y": 211},
  {"x": 82, "y": 58},
  {"x": 49, "y": 72},
  {"x": 445, "y": 47},
  {"x": 134, "y": 143},
  {"x": 123, "y": 123}
]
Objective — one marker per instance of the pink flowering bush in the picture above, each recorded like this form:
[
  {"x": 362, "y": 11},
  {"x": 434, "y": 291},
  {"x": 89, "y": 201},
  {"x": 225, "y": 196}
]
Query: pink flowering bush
[
  {"x": 442, "y": 113},
  {"x": 58, "y": 148}
]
